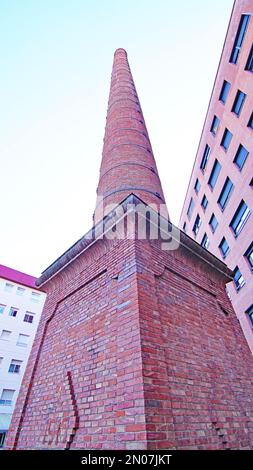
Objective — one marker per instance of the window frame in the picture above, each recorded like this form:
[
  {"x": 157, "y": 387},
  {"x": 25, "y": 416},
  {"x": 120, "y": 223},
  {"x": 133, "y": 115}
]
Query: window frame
[
  {"x": 240, "y": 148},
  {"x": 228, "y": 194},
  {"x": 225, "y": 89},
  {"x": 226, "y": 133},
  {"x": 242, "y": 220},
  {"x": 215, "y": 165},
  {"x": 239, "y": 38},
  {"x": 235, "y": 110}
]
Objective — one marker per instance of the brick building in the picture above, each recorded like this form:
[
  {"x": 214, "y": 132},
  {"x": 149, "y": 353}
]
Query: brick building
[
  {"x": 218, "y": 206},
  {"x": 138, "y": 346}
]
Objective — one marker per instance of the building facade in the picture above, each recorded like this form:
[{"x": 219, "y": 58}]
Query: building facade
[
  {"x": 218, "y": 208},
  {"x": 138, "y": 346},
  {"x": 21, "y": 304}
]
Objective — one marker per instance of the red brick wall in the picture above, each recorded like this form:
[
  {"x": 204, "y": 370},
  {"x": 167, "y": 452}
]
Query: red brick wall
[{"x": 134, "y": 350}]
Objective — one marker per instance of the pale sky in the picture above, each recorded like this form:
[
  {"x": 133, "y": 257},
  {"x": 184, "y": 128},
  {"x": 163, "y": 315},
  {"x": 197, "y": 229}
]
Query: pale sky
[{"x": 56, "y": 59}]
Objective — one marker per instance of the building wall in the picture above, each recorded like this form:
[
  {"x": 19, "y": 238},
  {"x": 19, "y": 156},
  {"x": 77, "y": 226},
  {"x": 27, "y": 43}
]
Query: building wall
[
  {"x": 9, "y": 349},
  {"x": 137, "y": 349},
  {"x": 240, "y": 79}
]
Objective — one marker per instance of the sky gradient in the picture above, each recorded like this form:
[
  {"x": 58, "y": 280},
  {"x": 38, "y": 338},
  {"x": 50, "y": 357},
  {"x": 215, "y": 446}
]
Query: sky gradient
[{"x": 56, "y": 60}]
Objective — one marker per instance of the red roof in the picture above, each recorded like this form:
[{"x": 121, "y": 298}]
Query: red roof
[{"x": 16, "y": 276}]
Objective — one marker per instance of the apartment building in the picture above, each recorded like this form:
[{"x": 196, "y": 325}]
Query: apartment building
[
  {"x": 218, "y": 206},
  {"x": 21, "y": 304}
]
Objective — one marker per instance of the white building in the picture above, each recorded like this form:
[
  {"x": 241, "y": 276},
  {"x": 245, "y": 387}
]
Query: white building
[{"x": 21, "y": 304}]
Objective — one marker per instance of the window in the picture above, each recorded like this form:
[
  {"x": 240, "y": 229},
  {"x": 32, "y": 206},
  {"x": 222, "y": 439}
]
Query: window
[
  {"x": 238, "y": 278},
  {"x": 249, "y": 64},
  {"x": 251, "y": 182},
  {"x": 22, "y": 340},
  {"x": 204, "y": 202},
  {"x": 35, "y": 297},
  {"x": 239, "y": 38},
  {"x": 241, "y": 216},
  {"x": 20, "y": 290},
  {"x": 190, "y": 208},
  {"x": 197, "y": 186},
  {"x": 5, "y": 335},
  {"x": 213, "y": 222},
  {"x": 225, "y": 193},
  {"x": 6, "y": 397},
  {"x": 250, "y": 123},
  {"x": 249, "y": 311},
  {"x": 224, "y": 91},
  {"x": 2, "y": 307},
  {"x": 240, "y": 157},
  {"x": 249, "y": 255},
  {"x": 224, "y": 247},
  {"x": 205, "y": 158},
  {"x": 15, "y": 366},
  {"x": 214, "y": 174},
  {"x": 185, "y": 227},
  {"x": 215, "y": 125},
  {"x": 226, "y": 139},
  {"x": 28, "y": 318},
  {"x": 13, "y": 312},
  {"x": 205, "y": 241},
  {"x": 8, "y": 287},
  {"x": 238, "y": 103},
  {"x": 196, "y": 225}
]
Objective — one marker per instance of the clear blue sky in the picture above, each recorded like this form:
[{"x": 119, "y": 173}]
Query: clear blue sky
[{"x": 56, "y": 58}]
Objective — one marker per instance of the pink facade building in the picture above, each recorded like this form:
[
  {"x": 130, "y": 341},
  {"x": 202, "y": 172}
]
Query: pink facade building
[{"x": 218, "y": 208}]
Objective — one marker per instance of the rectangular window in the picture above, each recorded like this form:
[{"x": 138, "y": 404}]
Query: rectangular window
[
  {"x": 13, "y": 312},
  {"x": 8, "y": 287},
  {"x": 224, "y": 247},
  {"x": 240, "y": 156},
  {"x": 196, "y": 225},
  {"x": 204, "y": 202},
  {"x": 239, "y": 38},
  {"x": 226, "y": 139},
  {"x": 214, "y": 174},
  {"x": 20, "y": 290},
  {"x": 215, "y": 125},
  {"x": 185, "y": 227},
  {"x": 15, "y": 366},
  {"x": 5, "y": 335},
  {"x": 238, "y": 103},
  {"x": 22, "y": 340},
  {"x": 2, "y": 307},
  {"x": 251, "y": 182},
  {"x": 197, "y": 186},
  {"x": 241, "y": 216},
  {"x": 224, "y": 91},
  {"x": 249, "y": 311},
  {"x": 213, "y": 222},
  {"x": 225, "y": 193},
  {"x": 190, "y": 208},
  {"x": 6, "y": 397},
  {"x": 249, "y": 255},
  {"x": 250, "y": 123},
  {"x": 249, "y": 64},
  {"x": 28, "y": 318},
  {"x": 238, "y": 278},
  {"x": 205, "y": 242},
  {"x": 205, "y": 158},
  {"x": 35, "y": 297}
]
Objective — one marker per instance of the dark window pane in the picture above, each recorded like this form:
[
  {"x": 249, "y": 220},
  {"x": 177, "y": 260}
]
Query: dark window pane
[
  {"x": 224, "y": 91},
  {"x": 205, "y": 157},
  {"x": 197, "y": 186},
  {"x": 224, "y": 248},
  {"x": 239, "y": 38},
  {"x": 215, "y": 125},
  {"x": 249, "y": 311},
  {"x": 250, "y": 123},
  {"x": 249, "y": 255},
  {"x": 196, "y": 225},
  {"x": 185, "y": 227},
  {"x": 240, "y": 156},
  {"x": 238, "y": 103},
  {"x": 249, "y": 65},
  {"x": 225, "y": 193},
  {"x": 213, "y": 222},
  {"x": 214, "y": 174},
  {"x": 205, "y": 241},
  {"x": 204, "y": 202},
  {"x": 240, "y": 218},
  {"x": 226, "y": 139},
  {"x": 238, "y": 278},
  {"x": 190, "y": 208}
]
